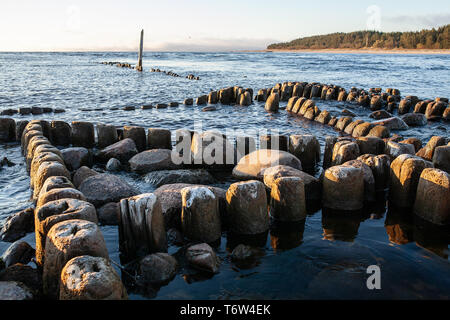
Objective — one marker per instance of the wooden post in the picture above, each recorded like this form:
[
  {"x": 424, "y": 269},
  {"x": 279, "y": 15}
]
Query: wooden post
[{"x": 141, "y": 48}]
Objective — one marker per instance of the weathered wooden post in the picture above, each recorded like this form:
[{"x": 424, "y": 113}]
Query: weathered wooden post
[{"x": 141, "y": 48}]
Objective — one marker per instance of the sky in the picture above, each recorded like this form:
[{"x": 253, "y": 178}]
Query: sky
[{"x": 199, "y": 25}]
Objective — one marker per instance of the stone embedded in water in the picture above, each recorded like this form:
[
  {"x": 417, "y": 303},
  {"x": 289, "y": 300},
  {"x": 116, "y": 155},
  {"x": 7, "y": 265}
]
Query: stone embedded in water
[
  {"x": 379, "y": 132},
  {"x": 113, "y": 165},
  {"x": 395, "y": 149},
  {"x": 380, "y": 114},
  {"x": 108, "y": 214},
  {"x": 56, "y": 182},
  {"x": 428, "y": 151},
  {"x": 159, "y": 139},
  {"x": 76, "y": 157},
  {"x": 287, "y": 199},
  {"x": 83, "y": 134},
  {"x": 362, "y": 130},
  {"x": 17, "y": 225},
  {"x": 82, "y": 174},
  {"x": 152, "y": 160},
  {"x": 415, "y": 142},
  {"x": 201, "y": 100},
  {"x": 7, "y": 130},
  {"x": 123, "y": 151},
  {"x": 247, "y": 207},
  {"x": 157, "y": 268},
  {"x": 291, "y": 103},
  {"x": 24, "y": 274},
  {"x": 106, "y": 135},
  {"x": 324, "y": 117},
  {"x": 414, "y": 119},
  {"x": 251, "y": 165},
  {"x": 102, "y": 188},
  {"x": 394, "y": 123},
  {"x": 435, "y": 110},
  {"x": 343, "y": 151},
  {"x": 349, "y": 128},
  {"x": 202, "y": 257},
  {"x": 54, "y": 212},
  {"x": 47, "y": 169},
  {"x": 200, "y": 217},
  {"x": 380, "y": 166},
  {"x": 137, "y": 134},
  {"x": 441, "y": 158},
  {"x": 343, "y": 122},
  {"x": 90, "y": 278},
  {"x": 306, "y": 148},
  {"x": 433, "y": 196},
  {"x": 141, "y": 226},
  {"x": 274, "y": 142},
  {"x": 369, "y": 180},
  {"x": 212, "y": 148},
  {"x": 57, "y": 194},
  {"x": 272, "y": 103},
  {"x": 67, "y": 240},
  {"x": 343, "y": 188},
  {"x": 371, "y": 145},
  {"x": 404, "y": 178}
]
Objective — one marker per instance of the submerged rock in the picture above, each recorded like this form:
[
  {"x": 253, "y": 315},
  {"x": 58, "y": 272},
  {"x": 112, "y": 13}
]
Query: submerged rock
[
  {"x": 123, "y": 150},
  {"x": 203, "y": 257},
  {"x": 195, "y": 176},
  {"x": 394, "y": 123},
  {"x": 17, "y": 225},
  {"x": 157, "y": 268},
  {"x": 152, "y": 160}
]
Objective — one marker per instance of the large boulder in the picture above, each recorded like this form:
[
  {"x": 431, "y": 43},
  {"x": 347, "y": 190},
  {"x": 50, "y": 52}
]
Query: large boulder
[
  {"x": 404, "y": 178},
  {"x": 247, "y": 208},
  {"x": 90, "y": 278},
  {"x": 202, "y": 256},
  {"x": 212, "y": 148},
  {"x": 17, "y": 225},
  {"x": 7, "y": 130},
  {"x": 24, "y": 274},
  {"x": 343, "y": 188},
  {"x": 157, "y": 268},
  {"x": 191, "y": 176},
  {"x": 395, "y": 149},
  {"x": 123, "y": 150},
  {"x": 137, "y": 134},
  {"x": 306, "y": 148},
  {"x": 152, "y": 160},
  {"x": 82, "y": 174},
  {"x": 343, "y": 151},
  {"x": 46, "y": 170},
  {"x": 369, "y": 180},
  {"x": 83, "y": 134},
  {"x": 380, "y": 166},
  {"x": 272, "y": 102},
  {"x": 441, "y": 158},
  {"x": 18, "y": 252},
  {"x": 59, "y": 193},
  {"x": 102, "y": 188},
  {"x": 108, "y": 214},
  {"x": 414, "y": 119},
  {"x": 251, "y": 165},
  {"x": 200, "y": 216},
  {"x": 106, "y": 135},
  {"x": 433, "y": 196},
  {"x": 67, "y": 240},
  {"x": 159, "y": 139},
  {"x": 141, "y": 226},
  {"x": 428, "y": 151},
  {"x": 312, "y": 185},
  {"x": 435, "y": 110}
]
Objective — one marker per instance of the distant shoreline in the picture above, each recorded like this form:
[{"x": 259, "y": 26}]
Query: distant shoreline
[{"x": 363, "y": 51}]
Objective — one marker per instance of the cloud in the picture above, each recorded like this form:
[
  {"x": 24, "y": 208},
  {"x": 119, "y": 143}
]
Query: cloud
[{"x": 418, "y": 21}]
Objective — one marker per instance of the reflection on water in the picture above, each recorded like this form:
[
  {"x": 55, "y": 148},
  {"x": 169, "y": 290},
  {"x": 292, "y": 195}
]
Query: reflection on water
[
  {"x": 341, "y": 226},
  {"x": 287, "y": 235}
]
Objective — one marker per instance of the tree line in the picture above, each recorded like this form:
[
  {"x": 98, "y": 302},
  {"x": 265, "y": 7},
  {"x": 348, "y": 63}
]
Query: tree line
[{"x": 425, "y": 39}]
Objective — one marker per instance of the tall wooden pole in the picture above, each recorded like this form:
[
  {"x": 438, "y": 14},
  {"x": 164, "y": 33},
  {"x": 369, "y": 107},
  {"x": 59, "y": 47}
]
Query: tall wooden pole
[{"x": 141, "y": 48}]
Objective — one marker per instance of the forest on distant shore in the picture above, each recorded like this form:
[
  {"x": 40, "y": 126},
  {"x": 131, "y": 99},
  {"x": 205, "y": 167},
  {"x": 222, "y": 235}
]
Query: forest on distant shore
[{"x": 425, "y": 39}]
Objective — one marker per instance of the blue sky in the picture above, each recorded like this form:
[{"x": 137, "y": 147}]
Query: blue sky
[{"x": 199, "y": 25}]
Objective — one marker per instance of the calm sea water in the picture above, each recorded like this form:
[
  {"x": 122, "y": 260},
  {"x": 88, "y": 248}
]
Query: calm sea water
[{"x": 326, "y": 256}]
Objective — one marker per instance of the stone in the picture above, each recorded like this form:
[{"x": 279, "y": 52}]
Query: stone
[
  {"x": 379, "y": 132},
  {"x": 137, "y": 134},
  {"x": 244, "y": 252},
  {"x": 394, "y": 123},
  {"x": 76, "y": 157},
  {"x": 272, "y": 103},
  {"x": 376, "y": 103},
  {"x": 191, "y": 176},
  {"x": 123, "y": 151},
  {"x": 113, "y": 165},
  {"x": 18, "y": 252},
  {"x": 245, "y": 99},
  {"x": 328, "y": 152},
  {"x": 324, "y": 117},
  {"x": 306, "y": 148},
  {"x": 344, "y": 151},
  {"x": 415, "y": 142},
  {"x": 157, "y": 268},
  {"x": 56, "y": 182},
  {"x": 202, "y": 256},
  {"x": 90, "y": 278},
  {"x": 287, "y": 199},
  {"x": 298, "y": 105},
  {"x": 414, "y": 119},
  {"x": 20, "y": 127},
  {"x": 67, "y": 240},
  {"x": 421, "y": 106},
  {"x": 141, "y": 226},
  {"x": 350, "y": 127},
  {"x": 170, "y": 197},
  {"x": 201, "y": 100},
  {"x": 54, "y": 212},
  {"x": 161, "y": 106},
  {"x": 441, "y": 158},
  {"x": 47, "y": 169},
  {"x": 333, "y": 121},
  {"x": 274, "y": 142},
  {"x": 83, "y": 134},
  {"x": 188, "y": 101},
  {"x": 435, "y": 110},
  {"x": 342, "y": 123},
  {"x": 312, "y": 185},
  {"x": 108, "y": 214},
  {"x": 251, "y": 165},
  {"x": 159, "y": 139},
  {"x": 57, "y": 194},
  {"x": 106, "y": 135},
  {"x": 343, "y": 188},
  {"x": 446, "y": 114},
  {"x": 404, "y": 178},
  {"x": 7, "y": 130},
  {"x": 404, "y": 106},
  {"x": 380, "y": 114},
  {"x": 371, "y": 145},
  {"x": 362, "y": 130},
  {"x": 212, "y": 148},
  {"x": 173, "y": 104},
  {"x": 82, "y": 174},
  {"x": 428, "y": 151},
  {"x": 347, "y": 112},
  {"x": 433, "y": 196},
  {"x": 12, "y": 290},
  {"x": 307, "y": 105},
  {"x": 17, "y": 225},
  {"x": 200, "y": 217},
  {"x": 395, "y": 149},
  {"x": 102, "y": 188},
  {"x": 25, "y": 275},
  {"x": 291, "y": 103},
  {"x": 152, "y": 160},
  {"x": 247, "y": 208},
  {"x": 369, "y": 180},
  {"x": 213, "y": 97}
]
